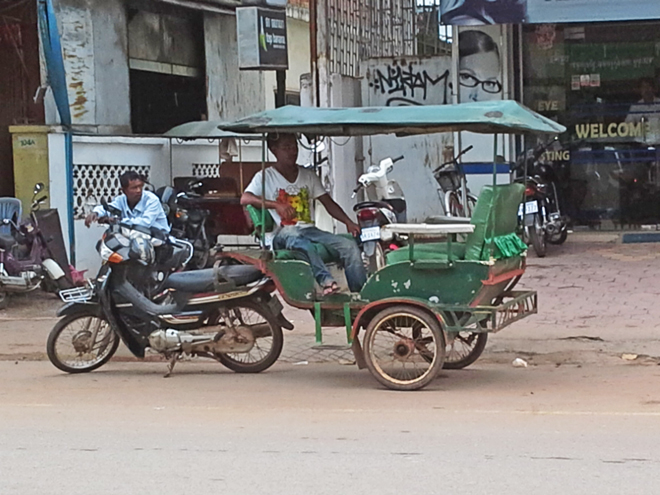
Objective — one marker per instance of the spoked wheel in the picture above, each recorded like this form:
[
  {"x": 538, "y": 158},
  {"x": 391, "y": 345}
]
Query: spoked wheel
[
  {"x": 267, "y": 333},
  {"x": 404, "y": 347},
  {"x": 81, "y": 343},
  {"x": 463, "y": 349},
  {"x": 455, "y": 206}
]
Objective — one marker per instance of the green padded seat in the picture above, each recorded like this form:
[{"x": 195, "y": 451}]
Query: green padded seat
[
  {"x": 427, "y": 251},
  {"x": 495, "y": 216}
]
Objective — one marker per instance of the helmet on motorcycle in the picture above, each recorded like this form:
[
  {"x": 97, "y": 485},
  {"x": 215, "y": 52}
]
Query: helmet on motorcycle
[{"x": 142, "y": 250}]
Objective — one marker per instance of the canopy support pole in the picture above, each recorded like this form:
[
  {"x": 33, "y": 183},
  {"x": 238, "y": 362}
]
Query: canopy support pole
[{"x": 263, "y": 191}]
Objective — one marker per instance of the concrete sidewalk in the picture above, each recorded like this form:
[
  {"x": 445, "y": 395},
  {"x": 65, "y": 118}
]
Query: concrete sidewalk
[{"x": 597, "y": 301}]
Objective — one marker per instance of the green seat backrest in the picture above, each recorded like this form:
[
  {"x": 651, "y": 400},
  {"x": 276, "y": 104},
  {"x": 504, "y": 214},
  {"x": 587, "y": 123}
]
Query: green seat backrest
[
  {"x": 495, "y": 215},
  {"x": 255, "y": 216}
]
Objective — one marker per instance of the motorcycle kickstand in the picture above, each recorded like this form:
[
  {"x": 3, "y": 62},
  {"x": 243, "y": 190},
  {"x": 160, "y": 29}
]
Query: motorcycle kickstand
[{"x": 171, "y": 364}]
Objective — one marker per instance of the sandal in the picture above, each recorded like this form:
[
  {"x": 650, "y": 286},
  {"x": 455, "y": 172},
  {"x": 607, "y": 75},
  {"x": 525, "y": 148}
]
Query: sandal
[{"x": 328, "y": 290}]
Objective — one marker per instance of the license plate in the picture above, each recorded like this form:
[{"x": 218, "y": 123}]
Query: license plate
[
  {"x": 370, "y": 234},
  {"x": 531, "y": 207}
]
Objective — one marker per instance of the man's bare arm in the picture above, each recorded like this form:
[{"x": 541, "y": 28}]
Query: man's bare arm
[{"x": 338, "y": 213}]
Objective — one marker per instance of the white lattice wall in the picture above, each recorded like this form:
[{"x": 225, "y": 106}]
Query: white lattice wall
[
  {"x": 92, "y": 183},
  {"x": 205, "y": 170}
]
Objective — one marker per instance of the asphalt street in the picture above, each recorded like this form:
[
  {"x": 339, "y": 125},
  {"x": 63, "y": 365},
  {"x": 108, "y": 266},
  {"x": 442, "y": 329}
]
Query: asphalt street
[{"x": 326, "y": 428}]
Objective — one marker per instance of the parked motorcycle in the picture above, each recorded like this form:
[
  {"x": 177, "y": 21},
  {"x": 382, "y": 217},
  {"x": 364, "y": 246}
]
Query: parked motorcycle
[
  {"x": 540, "y": 214},
  {"x": 26, "y": 262},
  {"x": 187, "y": 221},
  {"x": 227, "y": 313},
  {"x": 385, "y": 204}
]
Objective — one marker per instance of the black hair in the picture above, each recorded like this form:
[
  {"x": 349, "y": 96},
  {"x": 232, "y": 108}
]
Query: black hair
[
  {"x": 473, "y": 41},
  {"x": 273, "y": 137},
  {"x": 127, "y": 177}
]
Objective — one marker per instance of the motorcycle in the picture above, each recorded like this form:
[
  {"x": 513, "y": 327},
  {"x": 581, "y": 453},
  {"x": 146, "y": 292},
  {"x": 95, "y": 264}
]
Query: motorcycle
[
  {"x": 540, "y": 214},
  {"x": 187, "y": 221},
  {"x": 385, "y": 205},
  {"x": 227, "y": 313},
  {"x": 26, "y": 261}
]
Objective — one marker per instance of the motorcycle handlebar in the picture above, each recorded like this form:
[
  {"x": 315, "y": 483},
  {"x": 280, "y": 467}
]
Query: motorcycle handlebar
[{"x": 394, "y": 160}]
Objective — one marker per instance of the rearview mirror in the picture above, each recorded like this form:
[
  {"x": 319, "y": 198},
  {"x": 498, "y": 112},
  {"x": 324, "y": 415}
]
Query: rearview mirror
[{"x": 38, "y": 187}]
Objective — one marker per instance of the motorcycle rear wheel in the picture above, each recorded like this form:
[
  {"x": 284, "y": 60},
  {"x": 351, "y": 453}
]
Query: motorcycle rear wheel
[
  {"x": 259, "y": 358},
  {"x": 73, "y": 332},
  {"x": 537, "y": 237}
]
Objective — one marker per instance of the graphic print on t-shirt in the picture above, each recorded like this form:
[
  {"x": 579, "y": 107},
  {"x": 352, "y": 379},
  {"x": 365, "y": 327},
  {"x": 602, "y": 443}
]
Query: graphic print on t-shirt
[{"x": 299, "y": 202}]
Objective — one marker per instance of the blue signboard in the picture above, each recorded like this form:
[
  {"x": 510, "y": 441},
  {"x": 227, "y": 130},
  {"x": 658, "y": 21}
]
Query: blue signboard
[
  {"x": 550, "y": 11},
  {"x": 476, "y": 12}
]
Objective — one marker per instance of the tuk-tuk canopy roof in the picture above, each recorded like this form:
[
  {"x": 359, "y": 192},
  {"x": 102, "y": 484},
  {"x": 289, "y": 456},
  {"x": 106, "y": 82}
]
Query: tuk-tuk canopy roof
[
  {"x": 488, "y": 117},
  {"x": 203, "y": 129}
]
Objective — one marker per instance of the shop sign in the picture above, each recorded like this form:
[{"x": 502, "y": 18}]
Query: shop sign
[
  {"x": 471, "y": 12},
  {"x": 614, "y": 130},
  {"x": 262, "y": 38}
]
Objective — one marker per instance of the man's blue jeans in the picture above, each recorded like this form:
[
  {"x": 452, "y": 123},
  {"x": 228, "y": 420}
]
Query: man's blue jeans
[{"x": 301, "y": 238}]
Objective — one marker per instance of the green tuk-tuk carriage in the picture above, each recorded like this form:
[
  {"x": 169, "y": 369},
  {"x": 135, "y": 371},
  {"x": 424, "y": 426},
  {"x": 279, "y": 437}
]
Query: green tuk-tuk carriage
[{"x": 429, "y": 298}]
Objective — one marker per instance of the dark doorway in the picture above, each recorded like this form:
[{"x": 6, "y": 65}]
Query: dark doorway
[{"x": 162, "y": 101}]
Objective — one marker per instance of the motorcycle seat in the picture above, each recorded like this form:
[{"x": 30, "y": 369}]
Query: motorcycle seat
[
  {"x": 373, "y": 204},
  {"x": 205, "y": 280},
  {"x": 7, "y": 241}
]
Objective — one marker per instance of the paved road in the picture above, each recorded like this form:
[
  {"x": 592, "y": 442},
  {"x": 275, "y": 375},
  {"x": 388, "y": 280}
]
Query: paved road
[{"x": 327, "y": 429}]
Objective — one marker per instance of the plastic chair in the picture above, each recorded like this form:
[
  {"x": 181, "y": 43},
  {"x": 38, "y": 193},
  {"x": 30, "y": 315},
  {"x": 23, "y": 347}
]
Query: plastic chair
[{"x": 8, "y": 208}]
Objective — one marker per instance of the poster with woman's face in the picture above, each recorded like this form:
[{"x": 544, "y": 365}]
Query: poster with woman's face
[{"x": 479, "y": 65}]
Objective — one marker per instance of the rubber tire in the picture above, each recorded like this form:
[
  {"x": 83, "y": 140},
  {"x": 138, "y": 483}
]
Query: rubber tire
[
  {"x": 432, "y": 323},
  {"x": 276, "y": 350},
  {"x": 477, "y": 350},
  {"x": 4, "y": 300},
  {"x": 455, "y": 209},
  {"x": 538, "y": 241},
  {"x": 377, "y": 260},
  {"x": 55, "y": 333},
  {"x": 559, "y": 240}
]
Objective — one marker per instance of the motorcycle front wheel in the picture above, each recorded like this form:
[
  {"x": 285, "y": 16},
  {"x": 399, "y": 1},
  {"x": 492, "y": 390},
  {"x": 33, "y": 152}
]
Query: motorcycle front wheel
[
  {"x": 268, "y": 338},
  {"x": 81, "y": 343}
]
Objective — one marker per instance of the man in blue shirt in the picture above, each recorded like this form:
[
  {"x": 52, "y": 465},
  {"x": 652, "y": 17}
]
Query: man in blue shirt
[{"x": 137, "y": 206}]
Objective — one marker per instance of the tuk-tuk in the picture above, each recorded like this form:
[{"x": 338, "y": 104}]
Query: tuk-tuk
[{"x": 430, "y": 298}]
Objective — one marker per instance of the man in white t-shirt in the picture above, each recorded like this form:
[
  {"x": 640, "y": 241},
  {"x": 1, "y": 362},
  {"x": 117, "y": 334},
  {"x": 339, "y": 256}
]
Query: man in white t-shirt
[{"x": 290, "y": 192}]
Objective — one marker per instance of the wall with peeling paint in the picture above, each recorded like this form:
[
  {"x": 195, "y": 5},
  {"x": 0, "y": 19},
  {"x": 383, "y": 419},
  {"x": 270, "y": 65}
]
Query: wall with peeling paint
[
  {"x": 94, "y": 46},
  {"x": 232, "y": 93}
]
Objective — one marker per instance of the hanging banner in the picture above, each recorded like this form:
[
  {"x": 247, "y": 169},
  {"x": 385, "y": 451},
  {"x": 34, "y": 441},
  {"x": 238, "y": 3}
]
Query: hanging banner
[
  {"x": 476, "y": 12},
  {"x": 558, "y": 11},
  {"x": 479, "y": 12}
]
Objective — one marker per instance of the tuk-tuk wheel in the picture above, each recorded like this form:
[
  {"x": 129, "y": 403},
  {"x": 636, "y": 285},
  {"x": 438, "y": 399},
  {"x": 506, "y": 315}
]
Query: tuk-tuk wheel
[
  {"x": 404, "y": 347},
  {"x": 463, "y": 349},
  {"x": 4, "y": 300}
]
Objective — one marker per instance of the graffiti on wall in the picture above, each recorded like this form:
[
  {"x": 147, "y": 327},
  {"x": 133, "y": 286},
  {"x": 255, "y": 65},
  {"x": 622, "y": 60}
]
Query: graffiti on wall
[
  {"x": 409, "y": 85},
  {"x": 392, "y": 82},
  {"x": 395, "y": 82}
]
